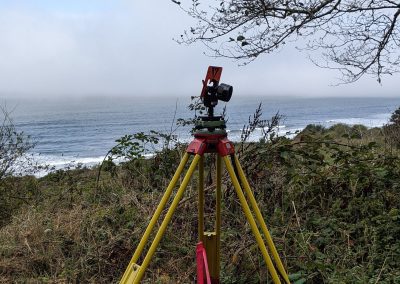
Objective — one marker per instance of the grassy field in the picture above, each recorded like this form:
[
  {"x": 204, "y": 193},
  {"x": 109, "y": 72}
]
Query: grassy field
[{"x": 331, "y": 199}]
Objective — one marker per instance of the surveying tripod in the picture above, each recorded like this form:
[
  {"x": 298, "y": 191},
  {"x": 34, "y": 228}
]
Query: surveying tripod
[{"x": 210, "y": 137}]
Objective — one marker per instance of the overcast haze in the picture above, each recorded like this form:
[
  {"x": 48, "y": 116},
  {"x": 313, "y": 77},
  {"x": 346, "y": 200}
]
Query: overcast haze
[{"x": 125, "y": 48}]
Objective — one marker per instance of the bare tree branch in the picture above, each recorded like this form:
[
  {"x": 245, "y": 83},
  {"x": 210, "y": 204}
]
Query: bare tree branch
[{"x": 354, "y": 37}]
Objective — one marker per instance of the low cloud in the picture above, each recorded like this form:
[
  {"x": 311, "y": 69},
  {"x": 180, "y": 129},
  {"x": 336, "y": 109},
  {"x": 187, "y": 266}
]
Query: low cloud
[{"x": 126, "y": 49}]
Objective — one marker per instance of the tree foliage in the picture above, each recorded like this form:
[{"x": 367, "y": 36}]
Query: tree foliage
[
  {"x": 354, "y": 37},
  {"x": 395, "y": 117},
  {"x": 392, "y": 129}
]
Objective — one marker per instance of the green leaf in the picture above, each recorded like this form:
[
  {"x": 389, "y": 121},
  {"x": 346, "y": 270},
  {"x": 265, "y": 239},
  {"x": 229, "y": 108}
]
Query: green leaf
[
  {"x": 284, "y": 155},
  {"x": 295, "y": 276},
  {"x": 372, "y": 144}
]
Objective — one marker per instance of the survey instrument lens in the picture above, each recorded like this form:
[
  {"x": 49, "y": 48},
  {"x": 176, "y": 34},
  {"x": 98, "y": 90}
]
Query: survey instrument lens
[{"x": 224, "y": 92}]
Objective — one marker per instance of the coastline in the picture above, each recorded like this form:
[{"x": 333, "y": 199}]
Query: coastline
[{"x": 66, "y": 163}]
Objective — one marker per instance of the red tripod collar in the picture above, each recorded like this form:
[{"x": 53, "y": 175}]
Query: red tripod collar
[{"x": 211, "y": 143}]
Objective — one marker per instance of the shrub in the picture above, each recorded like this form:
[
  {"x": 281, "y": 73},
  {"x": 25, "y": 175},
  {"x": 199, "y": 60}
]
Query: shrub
[
  {"x": 15, "y": 160},
  {"x": 392, "y": 129}
]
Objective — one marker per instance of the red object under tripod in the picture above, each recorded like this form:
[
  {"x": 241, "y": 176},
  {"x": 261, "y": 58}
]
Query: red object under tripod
[{"x": 203, "y": 274}]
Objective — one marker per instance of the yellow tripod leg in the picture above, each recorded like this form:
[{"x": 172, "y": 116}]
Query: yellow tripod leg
[
  {"x": 218, "y": 200},
  {"x": 201, "y": 200},
  {"x": 154, "y": 219},
  {"x": 251, "y": 221},
  {"x": 140, "y": 270},
  {"x": 260, "y": 219},
  {"x": 212, "y": 240}
]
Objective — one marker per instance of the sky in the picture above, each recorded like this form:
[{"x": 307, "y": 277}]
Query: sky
[{"x": 85, "y": 48}]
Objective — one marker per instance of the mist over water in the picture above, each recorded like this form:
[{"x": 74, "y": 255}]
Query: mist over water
[{"x": 83, "y": 130}]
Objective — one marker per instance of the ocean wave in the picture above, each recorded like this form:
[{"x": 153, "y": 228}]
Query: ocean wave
[
  {"x": 53, "y": 160},
  {"x": 55, "y": 163},
  {"x": 377, "y": 120}
]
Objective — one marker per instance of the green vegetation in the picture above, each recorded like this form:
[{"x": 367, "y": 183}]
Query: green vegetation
[
  {"x": 330, "y": 196},
  {"x": 15, "y": 160}
]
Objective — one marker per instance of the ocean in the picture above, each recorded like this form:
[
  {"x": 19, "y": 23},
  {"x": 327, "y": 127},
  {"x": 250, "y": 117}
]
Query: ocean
[{"x": 83, "y": 130}]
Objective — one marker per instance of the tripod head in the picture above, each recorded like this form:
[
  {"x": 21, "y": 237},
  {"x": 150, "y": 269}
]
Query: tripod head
[{"x": 213, "y": 91}]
